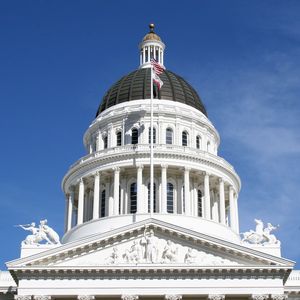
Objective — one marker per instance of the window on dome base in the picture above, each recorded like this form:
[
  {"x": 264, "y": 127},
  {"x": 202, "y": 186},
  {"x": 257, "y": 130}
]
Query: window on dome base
[
  {"x": 105, "y": 142},
  {"x": 198, "y": 142},
  {"x": 199, "y": 200},
  {"x": 134, "y": 136},
  {"x": 102, "y": 206},
  {"x": 169, "y": 136},
  {"x": 170, "y": 198},
  {"x": 133, "y": 198},
  {"x": 154, "y": 135},
  {"x": 119, "y": 138},
  {"x": 154, "y": 197},
  {"x": 184, "y": 138}
]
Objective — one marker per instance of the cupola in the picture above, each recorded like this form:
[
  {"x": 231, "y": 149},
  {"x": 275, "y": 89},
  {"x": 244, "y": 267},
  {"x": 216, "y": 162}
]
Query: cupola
[{"x": 151, "y": 47}]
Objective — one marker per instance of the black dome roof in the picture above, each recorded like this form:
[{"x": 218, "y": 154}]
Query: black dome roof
[{"x": 136, "y": 86}]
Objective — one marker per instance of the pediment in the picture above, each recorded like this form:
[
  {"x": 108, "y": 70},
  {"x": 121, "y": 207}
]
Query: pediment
[{"x": 149, "y": 243}]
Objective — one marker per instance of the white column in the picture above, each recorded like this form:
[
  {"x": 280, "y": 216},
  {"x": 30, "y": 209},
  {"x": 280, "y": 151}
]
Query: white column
[
  {"x": 96, "y": 196},
  {"x": 237, "y": 228},
  {"x": 187, "y": 191},
  {"x": 232, "y": 207},
  {"x": 162, "y": 57},
  {"x": 70, "y": 208},
  {"x": 164, "y": 188},
  {"x": 80, "y": 202},
  {"x": 144, "y": 58},
  {"x": 207, "y": 197},
  {"x": 215, "y": 207},
  {"x": 222, "y": 201},
  {"x": 108, "y": 203},
  {"x": 179, "y": 196},
  {"x": 140, "y": 194},
  {"x": 116, "y": 190}
]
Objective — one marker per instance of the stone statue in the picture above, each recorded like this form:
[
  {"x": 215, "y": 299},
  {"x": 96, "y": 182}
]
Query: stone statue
[
  {"x": 52, "y": 235},
  {"x": 149, "y": 243},
  {"x": 114, "y": 256},
  {"x": 270, "y": 238},
  {"x": 133, "y": 254},
  {"x": 261, "y": 235},
  {"x": 190, "y": 257},
  {"x": 39, "y": 234},
  {"x": 170, "y": 252}
]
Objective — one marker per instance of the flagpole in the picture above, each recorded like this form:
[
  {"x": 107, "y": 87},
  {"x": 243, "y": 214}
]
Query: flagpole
[{"x": 151, "y": 146}]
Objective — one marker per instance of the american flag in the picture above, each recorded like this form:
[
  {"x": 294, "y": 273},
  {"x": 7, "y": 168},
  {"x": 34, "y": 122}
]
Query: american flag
[{"x": 158, "y": 69}]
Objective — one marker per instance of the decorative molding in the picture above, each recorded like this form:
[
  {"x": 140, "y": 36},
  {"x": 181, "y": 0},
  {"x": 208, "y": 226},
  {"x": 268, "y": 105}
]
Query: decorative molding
[
  {"x": 129, "y": 297},
  {"x": 42, "y": 297},
  {"x": 173, "y": 297},
  {"x": 216, "y": 297},
  {"x": 85, "y": 297},
  {"x": 279, "y": 296},
  {"x": 259, "y": 297},
  {"x": 22, "y": 297}
]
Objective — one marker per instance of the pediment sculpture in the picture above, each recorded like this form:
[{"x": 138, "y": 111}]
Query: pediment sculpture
[
  {"x": 261, "y": 235},
  {"x": 40, "y": 233},
  {"x": 151, "y": 249}
]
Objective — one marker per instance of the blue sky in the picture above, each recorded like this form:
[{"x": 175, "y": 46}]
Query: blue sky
[{"x": 58, "y": 58}]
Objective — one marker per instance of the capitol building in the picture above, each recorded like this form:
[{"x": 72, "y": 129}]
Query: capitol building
[{"x": 133, "y": 236}]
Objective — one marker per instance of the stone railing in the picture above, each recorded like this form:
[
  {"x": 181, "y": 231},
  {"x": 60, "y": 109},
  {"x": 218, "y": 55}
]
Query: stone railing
[{"x": 158, "y": 148}]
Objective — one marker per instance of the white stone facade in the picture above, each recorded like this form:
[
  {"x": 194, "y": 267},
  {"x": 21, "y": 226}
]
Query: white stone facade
[{"x": 189, "y": 247}]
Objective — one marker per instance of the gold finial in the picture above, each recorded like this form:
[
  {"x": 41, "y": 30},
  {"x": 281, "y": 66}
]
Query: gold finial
[{"x": 151, "y": 26}]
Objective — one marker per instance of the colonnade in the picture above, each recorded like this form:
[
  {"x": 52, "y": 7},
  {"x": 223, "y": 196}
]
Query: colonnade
[{"x": 218, "y": 198}]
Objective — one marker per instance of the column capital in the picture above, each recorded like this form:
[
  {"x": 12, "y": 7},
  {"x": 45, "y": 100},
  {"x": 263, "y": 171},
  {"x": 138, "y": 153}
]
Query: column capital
[
  {"x": 164, "y": 166},
  {"x": 85, "y": 297},
  {"x": 279, "y": 296},
  {"x": 259, "y": 297},
  {"x": 206, "y": 173},
  {"x": 220, "y": 179},
  {"x": 42, "y": 297},
  {"x": 129, "y": 297},
  {"x": 187, "y": 169},
  {"x": 216, "y": 297},
  {"x": 173, "y": 297},
  {"x": 97, "y": 173},
  {"x": 81, "y": 180},
  {"x": 116, "y": 169},
  {"x": 140, "y": 166}
]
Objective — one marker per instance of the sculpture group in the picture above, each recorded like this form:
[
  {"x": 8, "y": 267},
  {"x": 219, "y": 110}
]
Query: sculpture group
[
  {"x": 39, "y": 234},
  {"x": 151, "y": 249},
  {"x": 261, "y": 235}
]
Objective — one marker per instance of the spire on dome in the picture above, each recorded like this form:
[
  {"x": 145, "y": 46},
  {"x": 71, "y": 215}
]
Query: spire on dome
[{"x": 151, "y": 47}]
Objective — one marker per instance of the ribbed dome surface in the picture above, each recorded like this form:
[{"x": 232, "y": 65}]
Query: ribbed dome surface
[{"x": 136, "y": 86}]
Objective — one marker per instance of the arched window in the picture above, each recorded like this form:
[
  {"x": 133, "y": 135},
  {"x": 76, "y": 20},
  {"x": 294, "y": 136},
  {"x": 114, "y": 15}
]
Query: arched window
[
  {"x": 184, "y": 138},
  {"x": 134, "y": 136},
  {"x": 199, "y": 200},
  {"x": 154, "y": 197},
  {"x": 105, "y": 142},
  {"x": 198, "y": 142},
  {"x": 154, "y": 135},
  {"x": 102, "y": 207},
  {"x": 119, "y": 138},
  {"x": 169, "y": 136},
  {"x": 133, "y": 196},
  {"x": 170, "y": 198}
]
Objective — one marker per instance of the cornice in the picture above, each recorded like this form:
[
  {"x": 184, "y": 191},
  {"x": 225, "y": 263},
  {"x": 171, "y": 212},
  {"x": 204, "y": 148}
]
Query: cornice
[{"x": 128, "y": 152}]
